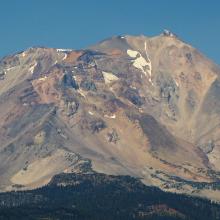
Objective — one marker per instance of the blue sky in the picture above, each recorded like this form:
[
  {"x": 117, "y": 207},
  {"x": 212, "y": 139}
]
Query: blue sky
[{"x": 80, "y": 23}]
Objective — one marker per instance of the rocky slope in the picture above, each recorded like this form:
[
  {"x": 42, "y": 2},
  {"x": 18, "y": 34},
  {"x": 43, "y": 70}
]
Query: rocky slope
[{"x": 130, "y": 105}]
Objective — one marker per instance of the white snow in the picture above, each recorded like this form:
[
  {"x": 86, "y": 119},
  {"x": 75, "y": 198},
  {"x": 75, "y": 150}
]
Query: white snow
[
  {"x": 141, "y": 63},
  {"x": 177, "y": 84},
  {"x": 23, "y": 54},
  {"x": 65, "y": 56},
  {"x": 141, "y": 110},
  {"x": 132, "y": 53},
  {"x": 64, "y": 50},
  {"x": 91, "y": 113},
  {"x": 81, "y": 93},
  {"x": 110, "y": 116},
  {"x": 168, "y": 33},
  {"x": 109, "y": 77},
  {"x": 150, "y": 80},
  {"x": 32, "y": 68},
  {"x": 42, "y": 78},
  {"x": 133, "y": 87},
  {"x": 149, "y": 61},
  {"x": 76, "y": 78}
]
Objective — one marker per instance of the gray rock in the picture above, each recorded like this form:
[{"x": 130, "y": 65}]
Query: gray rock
[{"x": 112, "y": 136}]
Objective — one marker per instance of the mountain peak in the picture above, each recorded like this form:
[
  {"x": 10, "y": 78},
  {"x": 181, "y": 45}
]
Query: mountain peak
[
  {"x": 168, "y": 33},
  {"x": 131, "y": 96}
]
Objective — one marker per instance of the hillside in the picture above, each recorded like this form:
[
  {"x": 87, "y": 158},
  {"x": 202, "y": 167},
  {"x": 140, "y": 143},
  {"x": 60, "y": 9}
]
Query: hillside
[{"x": 129, "y": 105}]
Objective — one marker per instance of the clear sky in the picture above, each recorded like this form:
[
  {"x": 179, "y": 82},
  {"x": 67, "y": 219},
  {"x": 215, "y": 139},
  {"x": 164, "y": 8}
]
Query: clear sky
[{"x": 80, "y": 23}]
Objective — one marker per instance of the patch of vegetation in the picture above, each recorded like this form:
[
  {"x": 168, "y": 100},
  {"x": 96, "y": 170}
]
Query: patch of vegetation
[{"x": 98, "y": 196}]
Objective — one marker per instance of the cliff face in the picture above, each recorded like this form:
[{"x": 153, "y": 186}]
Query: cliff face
[{"x": 139, "y": 106}]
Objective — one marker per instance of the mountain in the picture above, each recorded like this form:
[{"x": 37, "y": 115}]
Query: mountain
[{"x": 129, "y": 105}]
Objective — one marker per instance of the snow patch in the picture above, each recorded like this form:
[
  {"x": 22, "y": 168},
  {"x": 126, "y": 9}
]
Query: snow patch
[
  {"x": 42, "y": 78},
  {"x": 65, "y": 56},
  {"x": 133, "y": 87},
  {"x": 141, "y": 63},
  {"x": 110, "y": 116},
  {"x": 76, "y": 78},
  {"x": 32, "y": 68},
  {"x": 132, "y": 53},
  {"x": 177, "y": 84},
  {"x": 149, "y": 61},
  {"x": 109, "y": 77},
  {"x": 168, "y": 33},
  {"x": 141, "y": 110},
  {"x": 81, "y": 93},
  {"x": 64, "y": 50},
  {"x": 23, "y": 54}
]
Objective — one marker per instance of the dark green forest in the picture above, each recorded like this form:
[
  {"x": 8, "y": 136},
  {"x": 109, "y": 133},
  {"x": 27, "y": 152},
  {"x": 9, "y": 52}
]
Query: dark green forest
[{"x": 103, "y": 197}]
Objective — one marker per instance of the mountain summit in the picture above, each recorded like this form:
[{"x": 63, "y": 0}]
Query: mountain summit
[{"x": 130, "y": 105}]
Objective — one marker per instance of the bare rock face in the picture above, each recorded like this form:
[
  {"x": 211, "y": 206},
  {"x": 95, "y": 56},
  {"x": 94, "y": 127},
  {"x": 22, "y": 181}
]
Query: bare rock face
[
  {"x": 68, "y": 107},
  {"x": 139, "y": 106}
]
